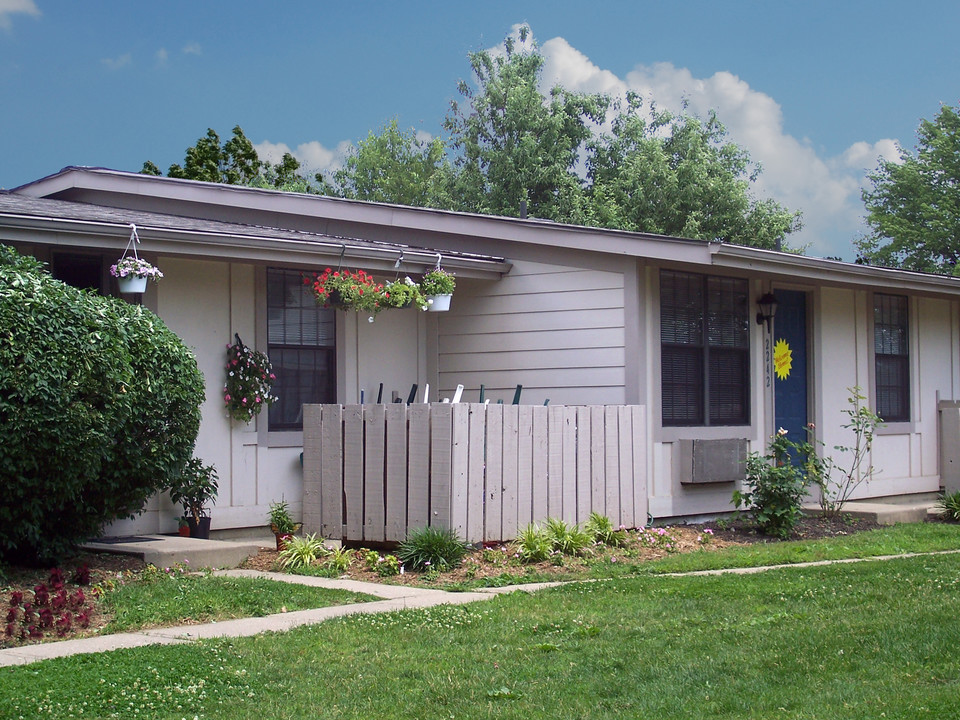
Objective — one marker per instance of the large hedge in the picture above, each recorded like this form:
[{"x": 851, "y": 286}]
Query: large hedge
[{"x": 99, "y": 409}]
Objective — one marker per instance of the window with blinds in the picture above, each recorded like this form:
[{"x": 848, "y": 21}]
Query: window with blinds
[
  {"x": 891, "y": 357},
  {"x": 301, "y": 342},
  {"x": 704, "y": 349}
]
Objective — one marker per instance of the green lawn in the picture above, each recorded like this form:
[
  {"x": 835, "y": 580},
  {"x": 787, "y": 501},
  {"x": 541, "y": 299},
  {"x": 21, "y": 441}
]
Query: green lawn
[
  {"x": 163, "y": 598},
  {"x": 866, "y": 640}
]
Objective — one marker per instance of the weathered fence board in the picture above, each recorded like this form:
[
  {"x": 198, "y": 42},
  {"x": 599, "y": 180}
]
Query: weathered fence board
[{"x": 372, "y": 472}]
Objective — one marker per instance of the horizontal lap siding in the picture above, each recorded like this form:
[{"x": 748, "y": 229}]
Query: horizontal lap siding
[{"x": 557, "y": 331}]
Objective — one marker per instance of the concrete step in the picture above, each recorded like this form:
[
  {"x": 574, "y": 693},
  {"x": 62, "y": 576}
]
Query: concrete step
[
  {"x": 167, "y": 550},
  {"x": 884, "y": 513}
]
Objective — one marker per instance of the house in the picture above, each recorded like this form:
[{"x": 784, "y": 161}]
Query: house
[{"x": 574, "y": 315}]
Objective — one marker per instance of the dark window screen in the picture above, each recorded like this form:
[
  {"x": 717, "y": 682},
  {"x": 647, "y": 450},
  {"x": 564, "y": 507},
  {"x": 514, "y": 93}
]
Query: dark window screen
[
  {"x": 892, "y": 357},
  {"x": 705, "y": 349},
  {"x": 302, "y": 348}
]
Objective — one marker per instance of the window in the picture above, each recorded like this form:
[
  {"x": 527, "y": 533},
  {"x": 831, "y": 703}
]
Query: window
[
  {"x": 302, "y": 348},
  {"x": 80, "y": 271},
  {"x": 891, "y": 357},
  {"x": 704, "y": 349}
]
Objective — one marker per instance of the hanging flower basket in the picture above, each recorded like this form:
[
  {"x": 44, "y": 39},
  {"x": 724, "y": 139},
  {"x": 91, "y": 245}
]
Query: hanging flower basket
[
  {"x": 131, "y": 271},
  {"x": 248, "y": 383},
  {"x": 348, "y": 290},
  {"x": 437, "y": 287}
]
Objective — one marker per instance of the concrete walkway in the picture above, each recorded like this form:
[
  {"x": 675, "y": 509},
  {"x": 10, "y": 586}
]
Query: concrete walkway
[{"x": 394, "y": 597}]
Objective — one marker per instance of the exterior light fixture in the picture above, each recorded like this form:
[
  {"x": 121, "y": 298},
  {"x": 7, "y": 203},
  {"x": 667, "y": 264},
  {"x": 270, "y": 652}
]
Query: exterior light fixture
[{"x": 768, "y": 309}]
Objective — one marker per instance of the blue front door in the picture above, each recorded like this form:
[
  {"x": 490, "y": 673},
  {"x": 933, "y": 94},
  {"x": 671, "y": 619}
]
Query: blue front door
[{"x": 790, "y": 364}]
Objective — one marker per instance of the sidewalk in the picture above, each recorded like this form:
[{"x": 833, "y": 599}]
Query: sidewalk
[{"x": 394, "y": 597}]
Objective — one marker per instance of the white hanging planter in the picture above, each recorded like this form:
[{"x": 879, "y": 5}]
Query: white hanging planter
[
  {"x": 438, "y": 303},
  {"x": 132, "y": 284},
  {"x": 131, "y": 271}
]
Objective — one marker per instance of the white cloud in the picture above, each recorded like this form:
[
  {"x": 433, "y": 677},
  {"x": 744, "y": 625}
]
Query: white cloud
[
  {"x": 313, "y": 156},
  {"x": 117, "y": 62},
  {"x": 161, "y": 56},
  {"x": 825, "y": 189},
  {"x": 192, "y": 49},
  {"x": 13, "y": 7}
]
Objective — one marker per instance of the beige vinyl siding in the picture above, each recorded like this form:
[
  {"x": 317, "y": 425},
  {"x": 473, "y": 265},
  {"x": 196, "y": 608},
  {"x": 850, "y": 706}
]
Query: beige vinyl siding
[{"x": 556, "y": 330}]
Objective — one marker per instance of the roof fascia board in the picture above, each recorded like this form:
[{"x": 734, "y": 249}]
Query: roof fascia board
[
  {"x": 358, "y": 213},
  {"x": 234, "y": 247},
  {"x": 830, "y": 272}
]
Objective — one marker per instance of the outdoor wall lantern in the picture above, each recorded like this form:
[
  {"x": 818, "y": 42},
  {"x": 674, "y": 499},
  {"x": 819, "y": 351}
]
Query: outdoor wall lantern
[{"x": 768, "y": 309}]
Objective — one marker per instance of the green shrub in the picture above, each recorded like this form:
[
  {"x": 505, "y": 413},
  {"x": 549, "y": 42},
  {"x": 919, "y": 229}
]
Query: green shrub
[
  {"x": 777, "y": 487},
  {"x": 99, "y": 409},
  {"x": 949, "y": 505},
  {"x": 432, "y": 548}
]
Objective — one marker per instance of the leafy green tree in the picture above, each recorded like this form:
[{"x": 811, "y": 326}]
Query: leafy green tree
[
  {"x": 660, "y": 173},
  {"x": 913, "y": 208},
  {"x": 234, "y": 162},
  {"x": 513, "y": 144},
  {"x": 99, "y": 409},
  {"x": 394, "y": 166}
]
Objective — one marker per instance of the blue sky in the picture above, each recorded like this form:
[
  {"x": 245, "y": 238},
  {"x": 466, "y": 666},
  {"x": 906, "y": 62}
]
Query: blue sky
[{"x": 815, "y": 90}]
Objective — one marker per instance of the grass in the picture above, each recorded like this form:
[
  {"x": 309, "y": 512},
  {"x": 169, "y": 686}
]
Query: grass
[
  {"x": 866, "y": 640},
  {"x": 892, "y": 540},
  {"x": 162, "y": 598}
]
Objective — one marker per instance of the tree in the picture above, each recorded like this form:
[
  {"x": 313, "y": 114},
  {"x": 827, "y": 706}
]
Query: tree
[
  {"x": 513, "y": 144},
  {"x": 660, "y": 173},
  {"x": 913, "y": 208},
  {"x": 99, "y": 409},
  {"x": 394, "y": 166},
  {"x": 235, "y": 162}
]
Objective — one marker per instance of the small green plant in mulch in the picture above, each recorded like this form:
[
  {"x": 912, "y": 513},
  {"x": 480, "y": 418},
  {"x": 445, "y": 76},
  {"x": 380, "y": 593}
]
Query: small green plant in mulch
[
  {"x": 301, "y": 552},
  {"x": 532, "y": 545},
  {"x": 949, "y": 506},
  {"x": 600, "y": 529},
  {"x": 432, "y": 548},
  {"x": 564, "y": 538}
]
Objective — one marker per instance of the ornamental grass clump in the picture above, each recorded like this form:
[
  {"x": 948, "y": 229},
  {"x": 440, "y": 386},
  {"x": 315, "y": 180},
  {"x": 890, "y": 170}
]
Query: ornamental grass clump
[
  {"x": 566, "y": 539},
  {"x": 249, "y": 382},
  {"x": 432, "y": 548},
  {"x": 949, "y": 505},
  {"x": 301, "y": 552},
  {"x": 600, "y": 529}
]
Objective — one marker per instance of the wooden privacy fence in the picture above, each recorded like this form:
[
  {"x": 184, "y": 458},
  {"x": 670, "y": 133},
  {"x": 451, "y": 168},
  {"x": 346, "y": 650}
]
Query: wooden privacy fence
[{"x": 373, "y": 471}]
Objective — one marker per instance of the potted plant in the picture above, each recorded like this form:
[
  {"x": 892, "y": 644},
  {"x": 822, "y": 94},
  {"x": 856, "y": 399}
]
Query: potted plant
[
  {"x": 248, "y": 383},
  {"x": 402, "y": 294},
  {"x": 348, "y": 290},
  {"x": 132, "y": 274},
  {"x": 437, "y": 286},
  {"x": 183, "y": 527},
  {"x": 193, "y": 489},
  {"x": 281, "y": 523}
]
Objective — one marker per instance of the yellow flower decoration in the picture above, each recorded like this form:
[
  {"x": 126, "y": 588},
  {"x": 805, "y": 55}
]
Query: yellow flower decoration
[{"x": 782, "y": 359}]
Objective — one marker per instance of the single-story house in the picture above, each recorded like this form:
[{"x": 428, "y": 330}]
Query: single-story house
[{"x": 576, "y": 316}]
